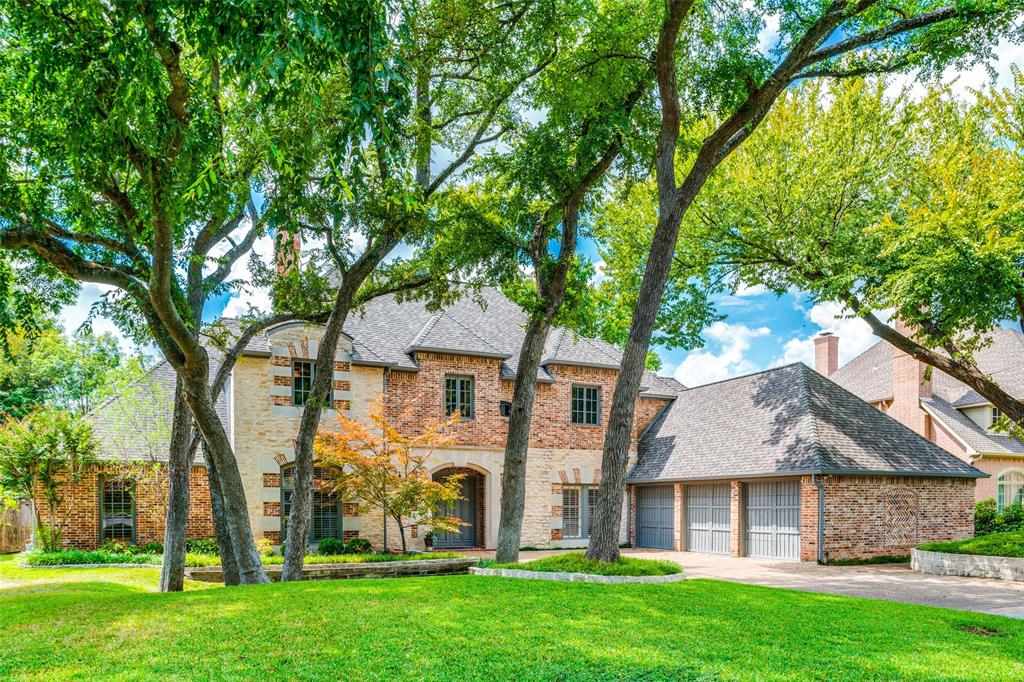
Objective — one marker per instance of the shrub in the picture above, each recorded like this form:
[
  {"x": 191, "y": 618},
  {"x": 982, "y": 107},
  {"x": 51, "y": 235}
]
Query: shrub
[
  {"x": 148, "y": 548},
  {"x": 331, "y": 546},
  {"x": 79, "y": 556},
  {"x": 358, "y": 546},
  {"x": 988, "y": 520},
  {"x": 202, "y": 546},
  {"x": 1009, "y": 544},
  {"x": 265, "y": 547}
]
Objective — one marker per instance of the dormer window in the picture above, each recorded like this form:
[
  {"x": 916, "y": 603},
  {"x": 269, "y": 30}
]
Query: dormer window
[
  {"x": 302, "y": 381},
  {"x": 997, "y": 414},
  {"x": 458, "y": 396}
]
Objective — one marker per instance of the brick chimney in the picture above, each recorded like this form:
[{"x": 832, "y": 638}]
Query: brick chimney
[
  {"x": 909, "y": 386},
  {"x": 287, "y": 247},
  {"x": 826, "y": 353}
]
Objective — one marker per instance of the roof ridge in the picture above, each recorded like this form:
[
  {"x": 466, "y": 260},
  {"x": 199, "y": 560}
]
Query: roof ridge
[
  {"x": 558, "y": 343},
  {"x": 809, "y": 405},
  {"x": 742, "y": 376},
  {"x": 482, "y": 339},
  {"x": 422, "y": 334}
]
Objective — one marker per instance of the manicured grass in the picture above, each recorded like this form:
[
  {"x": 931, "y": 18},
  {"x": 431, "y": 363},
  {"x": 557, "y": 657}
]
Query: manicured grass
[
  {"x": 576, "y": 562},
  {"x": 107, "y": 623},
  {"x": 996, "y": 544},
  {"x": 72, "y": 557}
]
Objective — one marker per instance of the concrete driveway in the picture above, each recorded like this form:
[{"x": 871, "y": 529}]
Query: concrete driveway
[{"x": 891, "y": 582}]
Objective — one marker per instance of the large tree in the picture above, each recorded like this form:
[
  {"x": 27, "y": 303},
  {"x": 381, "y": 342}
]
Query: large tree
[
  {"x": 132, "y": 144},
  {"x": 901, "y": 211},
  {"x": 539, "y": 190},
  {"x": 466, "y": 65},
  {"x": 715, "y": 87}
]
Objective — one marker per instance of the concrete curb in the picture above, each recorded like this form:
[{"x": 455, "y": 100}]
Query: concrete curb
[
  {"x": 577, "y": 577},
  {"x": 967, "y": 565}
]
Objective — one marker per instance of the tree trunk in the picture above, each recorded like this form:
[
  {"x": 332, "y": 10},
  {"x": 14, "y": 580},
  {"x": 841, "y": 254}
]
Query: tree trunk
[
  {"x": 320, "y": 395},
  {"x": 229, "y": 567},
  {"x": 401, "y": 533},
  {"x": 218, "y": 449},
  {"x": 179, "y": 464},
  {"x": 604, "y": 536},
  {"x": 513, "y": 491}
]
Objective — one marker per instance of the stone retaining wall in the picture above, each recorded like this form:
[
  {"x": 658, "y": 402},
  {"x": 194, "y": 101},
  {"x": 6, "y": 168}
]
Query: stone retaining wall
[
  {"x": 967, "y": 565},
  {"x": 576, "y": 577},
  {"x": 377, "y": 569}
]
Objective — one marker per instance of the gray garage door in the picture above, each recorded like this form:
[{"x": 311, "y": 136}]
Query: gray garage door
[
  {"x": 654, "y": 524},
  {"x": 773, "y": 520},
  {"x": 707, "y": 518}
]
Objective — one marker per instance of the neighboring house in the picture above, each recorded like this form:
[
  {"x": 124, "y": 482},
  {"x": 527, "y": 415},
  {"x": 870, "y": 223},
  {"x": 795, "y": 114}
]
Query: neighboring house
[
  {"x": 941, "y": 408},
  {"x": 742, "y": 465}
]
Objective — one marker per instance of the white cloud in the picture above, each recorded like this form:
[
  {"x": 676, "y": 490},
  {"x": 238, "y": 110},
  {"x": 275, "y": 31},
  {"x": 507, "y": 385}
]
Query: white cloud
[
  {"x": 854, "y": 334},
  {"x": 72, "y": 317},
  {"x": 599, "y": 268},
  {"x": 733, "y": 340},
  {"x": 961, "y": 83},
  {"x": 745, "y": 290},
  {"x": 768, "y": 38}
]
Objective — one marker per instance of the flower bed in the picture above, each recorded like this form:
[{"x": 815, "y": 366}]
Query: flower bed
[
  {"x": 78, "y": 558},
  {"x": 406, "y": 566}
]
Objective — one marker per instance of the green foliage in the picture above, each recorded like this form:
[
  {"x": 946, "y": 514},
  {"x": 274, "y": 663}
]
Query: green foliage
[
  {"x": 40, "y": 456},
  {"x": 886, "y": 559},
  {"x": 358, "y": 546},
  {"x": 576, "y": 562},
  {"x": 202, "y": 546},
  {"x": 47, "y": 368},
  {"x": 1009, "y": 544},
  {"x": 72, "y": 557},
  {"x": 987, "y": 519},
  {"x": 60, "y": 622},
  {"x": 330, "y": 546}
]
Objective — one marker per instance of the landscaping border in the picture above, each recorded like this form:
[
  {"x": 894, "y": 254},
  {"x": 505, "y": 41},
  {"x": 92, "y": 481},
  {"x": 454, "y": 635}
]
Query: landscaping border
[
  {"x": 967, "y": 565},
  {"x": 21, "y": 565},
  {"x": 369, "y": 569},
  {"x": 577, "y": 577}
]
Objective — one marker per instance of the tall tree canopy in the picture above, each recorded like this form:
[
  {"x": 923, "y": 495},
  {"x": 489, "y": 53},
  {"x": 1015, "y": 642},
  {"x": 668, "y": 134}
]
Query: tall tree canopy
[
  {"x": 715, "y": 87},
  {"x": 135, "y": 136}
]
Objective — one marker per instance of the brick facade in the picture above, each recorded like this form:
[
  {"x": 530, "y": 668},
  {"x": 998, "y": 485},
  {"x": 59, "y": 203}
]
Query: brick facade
[{"x": 79, "y": 512}]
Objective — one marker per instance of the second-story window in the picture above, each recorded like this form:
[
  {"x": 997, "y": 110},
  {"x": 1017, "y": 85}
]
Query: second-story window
[
  {"x": 302, "y": 381},
  {"x": 586, "y": 405},
  {"x": 997, "y": 414},
  {"x": 458, "y": 396}
]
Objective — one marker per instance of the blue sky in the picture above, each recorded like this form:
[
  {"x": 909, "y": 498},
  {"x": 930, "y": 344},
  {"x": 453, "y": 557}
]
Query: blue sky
[{"x": 761, "y": 330}]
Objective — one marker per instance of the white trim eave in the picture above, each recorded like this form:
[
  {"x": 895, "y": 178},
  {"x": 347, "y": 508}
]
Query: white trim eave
[{"x": 970, "y": 451}]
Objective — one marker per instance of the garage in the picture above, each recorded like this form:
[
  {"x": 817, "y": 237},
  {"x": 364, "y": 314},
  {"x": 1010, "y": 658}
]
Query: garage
[
  {"x": 655, "y": 508},
  {"x": 773, "y": 520},
  {"x": 707, "y": 518}
]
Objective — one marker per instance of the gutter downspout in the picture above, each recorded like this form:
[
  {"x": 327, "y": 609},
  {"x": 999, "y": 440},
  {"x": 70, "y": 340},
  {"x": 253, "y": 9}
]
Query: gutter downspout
[{"x": 820, "y": 485}]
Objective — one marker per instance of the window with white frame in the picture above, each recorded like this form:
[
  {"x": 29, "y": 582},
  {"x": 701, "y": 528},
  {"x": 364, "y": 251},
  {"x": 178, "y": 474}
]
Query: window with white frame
[
  {"x": 586, "y": 405},
  {"x": 997, "y": 414},
  {"x": 1010, "y": 489},
  {"x": 578, "y": 502}
]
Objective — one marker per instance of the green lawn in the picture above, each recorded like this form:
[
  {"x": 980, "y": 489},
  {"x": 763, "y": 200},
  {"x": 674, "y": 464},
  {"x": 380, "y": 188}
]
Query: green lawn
[
  {"x": 107, "y": 623},
  {"x": 576, "y": 562},
  {"x": 996, "y": 544}
]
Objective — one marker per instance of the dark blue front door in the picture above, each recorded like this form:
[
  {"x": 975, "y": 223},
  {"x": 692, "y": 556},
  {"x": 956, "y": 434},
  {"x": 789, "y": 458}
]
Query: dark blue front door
[{"x": 465, "y": 509}]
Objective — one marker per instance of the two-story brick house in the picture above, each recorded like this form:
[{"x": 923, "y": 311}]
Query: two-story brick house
[
  {"x": 783, "y": 464},
  {"x": 939, "y": 407}
]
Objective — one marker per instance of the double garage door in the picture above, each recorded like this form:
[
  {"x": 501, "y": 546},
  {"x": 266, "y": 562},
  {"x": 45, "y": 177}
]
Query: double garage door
[{"x": 771, "y": 518}]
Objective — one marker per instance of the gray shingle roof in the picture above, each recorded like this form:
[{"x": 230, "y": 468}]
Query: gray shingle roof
[
  {"x": 787, "y": 420},
  {"x": 869, "y": 376},
  {"x": 487, "y": 324},
  {"x": 976, "y": 437}
]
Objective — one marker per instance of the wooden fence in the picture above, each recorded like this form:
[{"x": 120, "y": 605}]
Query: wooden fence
[{"x": 15, "y": 529}]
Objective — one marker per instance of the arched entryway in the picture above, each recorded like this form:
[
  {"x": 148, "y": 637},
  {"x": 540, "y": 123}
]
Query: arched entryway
[{"x": 470, "y": 508}]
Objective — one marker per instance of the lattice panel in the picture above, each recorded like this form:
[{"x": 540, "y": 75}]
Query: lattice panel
[{"x": 901, "y": 509}]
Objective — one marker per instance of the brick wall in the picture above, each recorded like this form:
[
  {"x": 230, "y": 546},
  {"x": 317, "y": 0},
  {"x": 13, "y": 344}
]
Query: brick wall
[
  {"x": 80, "y": 510},
  {"x": 868, "y": 516},
  {"x": 416, "y": 398}
]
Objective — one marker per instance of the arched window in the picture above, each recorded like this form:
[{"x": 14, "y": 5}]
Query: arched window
[
  {"x": 326, "y": 513},
  {"x": 1010, "y": 489}
]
